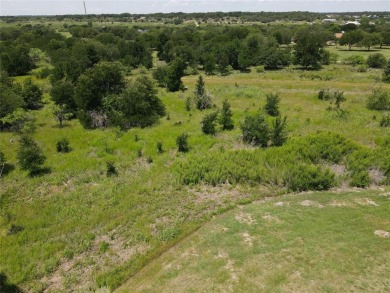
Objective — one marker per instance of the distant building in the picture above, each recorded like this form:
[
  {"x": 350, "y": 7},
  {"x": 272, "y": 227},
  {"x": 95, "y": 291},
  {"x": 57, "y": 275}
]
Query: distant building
[
  {"x": 353, "y": 22},
  {"x": 329, "y": 20},
  {"x": 338, "y": 35}
]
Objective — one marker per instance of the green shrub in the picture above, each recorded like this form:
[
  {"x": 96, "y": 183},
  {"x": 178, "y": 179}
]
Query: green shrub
[
  {"x": 111, "y": 169},
  {"x": 354, "y": 60},
  {"x": 272, "y": 104},
  {"x": 376, "y": 60},
  {"x": 386, "y": 73},
  {"x": 225, "y": 120},
  {"x": 182, "y": 143},
  {"x": 362, "y": 68},
  {"x": 63, "y": 146},
  {"x": 309, "y": 177},
  {"x": 160, "y": 149},
  {"x": 208, "y": 123},
  {"x": 30, "y": 156},
  {"x": 378, "y": 100},
  {"x": 255, "y": 130},
  {"x": 279, "y": 132},
  {"x": 360, "y": 179}
]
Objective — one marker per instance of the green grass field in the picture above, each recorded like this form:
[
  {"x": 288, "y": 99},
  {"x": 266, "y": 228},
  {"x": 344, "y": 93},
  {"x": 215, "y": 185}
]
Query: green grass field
[
  {"x": 80, "y": 230},
  {"x": 313, "y": 242}
]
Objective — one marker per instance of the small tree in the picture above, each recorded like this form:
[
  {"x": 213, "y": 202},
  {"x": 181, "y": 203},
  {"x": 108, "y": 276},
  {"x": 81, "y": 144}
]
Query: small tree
[
  {"x": 32, "y": 95},
  {"x": 255, "y": 130},
  {"x": 160, "y": 149},
  {"x": 225, "y": 120},
  {"x": 208, "y": 123},
  {"x": 202, "y": 98},
  {"x": 378, "y": 100},
  {"x": 61, "y": 113},
  {"x": 160, "y": 75},
  {"x": 111, "y": 169},
  {"x": 30, "y": 156},
  {"x": 376, "y": 60},
  {"x": 386, "y": 73},
  {"x": 339, "y": 98},
  {"x": 279, "y": 132},
  {"x": 62, "y": 146},
  {"x": 182, "y": 143},
  {"x": 272, "y": 105}
]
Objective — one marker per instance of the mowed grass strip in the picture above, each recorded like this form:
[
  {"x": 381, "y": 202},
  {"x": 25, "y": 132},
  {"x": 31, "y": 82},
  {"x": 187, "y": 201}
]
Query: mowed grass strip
[{"x": 313, "y": 242}]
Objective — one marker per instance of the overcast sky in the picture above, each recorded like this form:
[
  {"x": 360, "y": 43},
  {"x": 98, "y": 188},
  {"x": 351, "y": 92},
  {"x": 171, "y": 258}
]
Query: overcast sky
[{"x": 58, "y": 7}]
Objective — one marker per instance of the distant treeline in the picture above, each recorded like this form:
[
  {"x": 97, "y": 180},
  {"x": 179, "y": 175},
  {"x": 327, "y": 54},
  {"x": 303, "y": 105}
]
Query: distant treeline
[{"x": 263, "y": 17}]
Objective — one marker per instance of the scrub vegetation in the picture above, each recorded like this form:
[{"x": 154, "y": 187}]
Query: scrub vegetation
[{"x": 119, "y": 140}]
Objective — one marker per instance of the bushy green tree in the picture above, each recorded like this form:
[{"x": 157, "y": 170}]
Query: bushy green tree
[
  {"x": 138, "y": 105},
  {"x": 279, "y": 131},
  {"x": 32, "y": 95},
  {"x": 159, "y": 74},
  {"x": 255, "y": 130},
  {"x": 62, "y": 93},
  {"x": 376, "y": 60},
  {"x": 182, "y": 143},
  {"x": 378, "y": 100},
  {"x": 103, "y": 79},
  {"x": 209, "y": 122},
  {"x": 225, "y": 119},
  {"x": 202, "y": 98},
  {"x": 30, "y": 156},
  {"x": 386, "y": 73},
  {"x": 309, "y": 49},
  {"x": 174, "y": 74},
  {"x": 272, "y": 104}
]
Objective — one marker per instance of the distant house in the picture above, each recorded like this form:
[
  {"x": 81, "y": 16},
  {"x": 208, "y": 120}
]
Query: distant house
[
  {"x": 329, "y": 20},
  {"x": 353, "y": 22},
  {"x": 338, "y": 35}
]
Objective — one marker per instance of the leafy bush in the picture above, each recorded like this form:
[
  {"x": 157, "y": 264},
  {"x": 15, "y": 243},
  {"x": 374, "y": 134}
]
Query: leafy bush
[
  {"x": 225, "y": 120},
  {"x": 376, "y": 60},
  {"x": 360, "y": 179},
  {"x": 279, "y": 132},
  {"x": 182, "y": 143},
  {"x": 111, "y": 169},
  {"x": 160, "y": 75},
  {"x": 255, "y": 130},
  {"x": 378, "y": 100},
  {"x": 309, "y": 177},
  {"x": 386, "y": 73},
  {"x": 62, "y": 146},
  {"x": 208, "y": 123},
  {"x": 160, "y": 149},
  {"x": 30, "y": 156},
  {"x": 272, "y": 104},
  {"x": 354, "y": 60},
  {"x": 202, "y": 98}
]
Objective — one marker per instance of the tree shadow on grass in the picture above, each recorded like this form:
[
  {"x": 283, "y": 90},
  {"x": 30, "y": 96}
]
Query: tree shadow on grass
[
  {"x": 40, "y": 172},
  {"x": 5, "y": 287}
]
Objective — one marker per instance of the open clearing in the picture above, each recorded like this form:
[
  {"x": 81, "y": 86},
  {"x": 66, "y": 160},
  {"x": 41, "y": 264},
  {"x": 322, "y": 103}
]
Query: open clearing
[{"x": 337, "y": 243}]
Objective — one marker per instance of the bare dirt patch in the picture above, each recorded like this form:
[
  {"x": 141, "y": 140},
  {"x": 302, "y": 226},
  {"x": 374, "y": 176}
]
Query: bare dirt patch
[
  {"x": 311, "y": 203},
  {"x": 382, "y": 233},
  {"x": 376, "y": 176},
  {"x": 366, "y": 202},
  {"x": 245, "y": 218},
  {"x": 340, "y": 203},
  {"x": 281, "y": 203},
  {"x": 248, "y": 239},
  {"x": 271, "y": 219}
]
